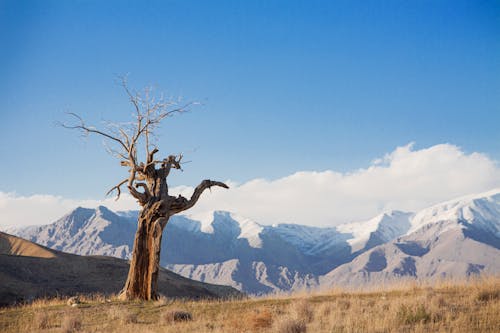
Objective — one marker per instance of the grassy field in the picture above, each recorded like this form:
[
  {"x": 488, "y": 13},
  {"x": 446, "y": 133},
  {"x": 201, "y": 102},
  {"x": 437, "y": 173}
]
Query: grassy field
[{"x": 446, "y": 307}]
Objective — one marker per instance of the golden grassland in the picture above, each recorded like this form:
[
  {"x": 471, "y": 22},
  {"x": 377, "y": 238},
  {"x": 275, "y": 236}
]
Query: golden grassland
[{"x": 472, "y": 306}]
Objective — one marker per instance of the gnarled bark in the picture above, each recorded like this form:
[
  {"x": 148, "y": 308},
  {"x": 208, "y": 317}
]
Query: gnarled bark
[{"x": 142, "y": 280}]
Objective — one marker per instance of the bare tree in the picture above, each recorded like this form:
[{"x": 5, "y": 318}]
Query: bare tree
[{"x": 147, "y": 182}]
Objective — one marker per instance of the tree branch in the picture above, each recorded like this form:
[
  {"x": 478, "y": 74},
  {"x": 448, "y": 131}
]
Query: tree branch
[
  {"x": 170, "y": 162},
  {"x": 117, "y": 188},
  {"x": 181, "y": 204},
  {"x": 146, "y": 189},
  {"x": 151, "y": 155},
  {"x": 92, "y": 130},
  {"x": 141, "y": 197}
]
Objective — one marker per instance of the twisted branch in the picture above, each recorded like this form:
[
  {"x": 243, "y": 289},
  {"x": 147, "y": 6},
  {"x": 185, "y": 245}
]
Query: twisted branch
[
  {"x": 87, "y": 130},
  {"x": 117, "y": 188},
  {"x": 181, "y": 204}
]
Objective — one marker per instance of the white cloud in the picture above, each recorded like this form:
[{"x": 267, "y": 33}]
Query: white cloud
[
  {"x": 405, "y": 179},
  {"x": 18, "y": 210}
]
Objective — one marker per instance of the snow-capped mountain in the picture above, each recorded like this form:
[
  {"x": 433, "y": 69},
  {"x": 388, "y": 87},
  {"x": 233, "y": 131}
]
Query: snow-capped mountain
[
  {"x": 481, "y": 211},
  {"x": 225, "y": 248},
  {"x": 221, "y": 246},
  {"x": 453, "y": 239},
  {"x": 85, "y": 231},
  {"x": 378, "y": 230}
]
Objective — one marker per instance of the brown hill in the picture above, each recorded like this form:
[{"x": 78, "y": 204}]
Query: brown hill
[
  {"x": 29, "y": 271},
  {"x": 12, "y": 245}
]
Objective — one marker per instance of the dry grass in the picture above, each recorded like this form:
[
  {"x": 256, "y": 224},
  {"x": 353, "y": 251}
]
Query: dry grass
[
  {"x": 304, "y": 310},
  {"x": 71, "y": 324},
  {"x": 259, "y": 319},
  {"x": 291, "y": 325},
  {"x": 446, "y": 307},
  {"x": 41, "y": 320},
  {"x": 129, "y": 317}
]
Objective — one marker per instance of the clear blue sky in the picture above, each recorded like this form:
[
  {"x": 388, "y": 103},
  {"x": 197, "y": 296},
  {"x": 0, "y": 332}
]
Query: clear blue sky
[{"x": 286, "y": 85}]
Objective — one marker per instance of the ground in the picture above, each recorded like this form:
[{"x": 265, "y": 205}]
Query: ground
[{"x": 445, "y": 307}]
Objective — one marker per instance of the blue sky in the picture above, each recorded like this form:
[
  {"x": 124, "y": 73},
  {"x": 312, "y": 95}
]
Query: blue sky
[{"x": 285, "y": 85}]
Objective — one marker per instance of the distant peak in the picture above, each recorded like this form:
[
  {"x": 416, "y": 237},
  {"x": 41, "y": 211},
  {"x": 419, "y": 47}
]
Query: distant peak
[
  {"x": 221, "y": 213},
  {"x": 104, "y": 209},
  {"x": 394, "y": 214},
  {"x": 398, "y": 212},
  {"x": 105, "y": 213},
  {"x": 79, "y": 211},
  {"x": 482, "y": 210}
]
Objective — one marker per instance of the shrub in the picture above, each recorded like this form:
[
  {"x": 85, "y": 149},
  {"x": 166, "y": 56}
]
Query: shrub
[{"x": 176, "y": 316}]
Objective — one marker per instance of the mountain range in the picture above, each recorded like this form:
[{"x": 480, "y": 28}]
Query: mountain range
[{"x": 455, "y": 239}]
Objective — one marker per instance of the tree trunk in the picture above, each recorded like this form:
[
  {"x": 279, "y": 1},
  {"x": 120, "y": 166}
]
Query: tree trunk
[{"x": 142, "y": 280}]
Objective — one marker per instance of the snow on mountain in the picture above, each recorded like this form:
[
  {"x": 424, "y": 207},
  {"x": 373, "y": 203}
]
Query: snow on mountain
[
  {"x": 482, "y": 210},
  {"x": 310, "y": 240},
  {"x": 377, "y": 230},
  {"x": 456, "y": 237},
  {"x": 85, "y": 231},
  {"x": 213, "y": 246},
  {"x": 248, "y": 229}
]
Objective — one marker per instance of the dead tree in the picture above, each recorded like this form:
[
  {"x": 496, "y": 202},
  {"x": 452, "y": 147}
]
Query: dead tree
[{"x": 146, "y": 182}]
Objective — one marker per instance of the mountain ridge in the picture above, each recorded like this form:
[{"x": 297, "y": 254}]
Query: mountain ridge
[
  {"x": 457, "y": 238},
  {"x": 261, "y": 258}
]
